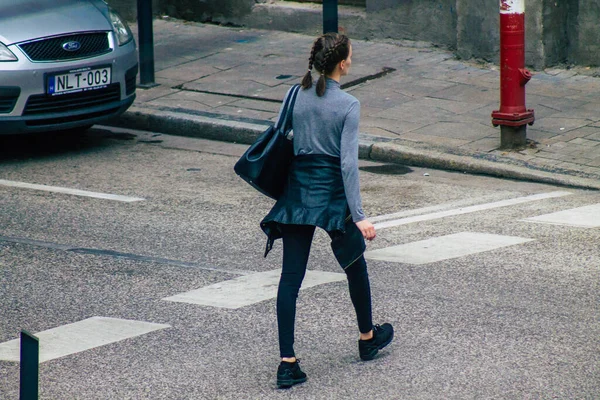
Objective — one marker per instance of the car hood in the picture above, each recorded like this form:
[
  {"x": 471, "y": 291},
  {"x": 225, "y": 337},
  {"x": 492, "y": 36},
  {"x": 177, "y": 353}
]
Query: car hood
[{"x": 32, "y": 19}]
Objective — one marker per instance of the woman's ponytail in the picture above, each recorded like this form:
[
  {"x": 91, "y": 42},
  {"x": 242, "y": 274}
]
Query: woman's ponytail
[
  {"x": 307, "y": 81},
  {"x": 321, "y": 85}
]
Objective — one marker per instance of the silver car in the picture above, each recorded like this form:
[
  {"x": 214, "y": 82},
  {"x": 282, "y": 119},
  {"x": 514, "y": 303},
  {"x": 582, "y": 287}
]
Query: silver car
[{"x": 64, "y": 65}]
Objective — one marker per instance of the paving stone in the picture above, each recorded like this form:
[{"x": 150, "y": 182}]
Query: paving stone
[
  {"x": 245, "y": 112},
  {"x": 184, "y": 105},
  {"x": 584, "y": 84},
  {"x": 467, "y": 93},
  {"x": 457, "y": 107},
  {"x": 241, "y": 87},
  {"x": 550, "y": 89},
  {"x": 554, "y": 125},
  {"x": 380, "y": 100},
  {"x": 457, "y": 130},
  {"x": 144, "y": 96},
  {"x": 392, "y": 125},
  {"x": 188, "y": 72},
  {"x": 415, "y": 112},
  {"x": 485, "y": 144},
  {"x": 366, "y": 111},
  {"x": 571, "y": 135},
  {"x": 422, "y": 87},
  {"x": 376, "y": 131},
  {"x": 424, "y": 137},
  {"x": 210, "y": 100},
  {"x": 594, "y": 162},
  {"x": 580, "y": 114},
  {"x": 257, "y": 105},
  {"x": 558, "y": 104},
  {"x": 482, "y": 114},
  {"x": 584, "y": 142}
]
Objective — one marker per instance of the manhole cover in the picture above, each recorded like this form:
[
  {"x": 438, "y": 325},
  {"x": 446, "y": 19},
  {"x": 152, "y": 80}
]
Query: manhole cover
[{"x": 387, "y": 169}]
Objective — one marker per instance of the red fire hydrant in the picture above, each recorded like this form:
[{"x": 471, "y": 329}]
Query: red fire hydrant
[{"x": 513, "y": 117}]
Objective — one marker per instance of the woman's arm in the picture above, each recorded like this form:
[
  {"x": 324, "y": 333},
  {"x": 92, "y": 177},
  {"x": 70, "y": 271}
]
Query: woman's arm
[
  {"x": 349, "y": 161},
  {"x": 349, "y": 158}
]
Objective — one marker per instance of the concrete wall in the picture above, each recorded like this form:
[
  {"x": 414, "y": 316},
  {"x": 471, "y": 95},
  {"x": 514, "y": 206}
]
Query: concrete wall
[
  {"x": 128, "y": 8},
  {"x": 554, "y": 33},
  {"x": 206, "y": 10},
  {"x": 423, "y": 20},
  {"x": 586, "y": 40},
  {"x": 477, "y": 31},
  {"x": 557, "y": 31}
]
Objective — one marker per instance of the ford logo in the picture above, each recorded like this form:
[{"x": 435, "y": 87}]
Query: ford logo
[{"x": 71, "y": 46}]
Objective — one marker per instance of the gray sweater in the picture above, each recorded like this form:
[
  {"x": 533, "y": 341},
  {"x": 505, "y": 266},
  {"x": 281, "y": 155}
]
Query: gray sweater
[{"x": 329, "y": 125}]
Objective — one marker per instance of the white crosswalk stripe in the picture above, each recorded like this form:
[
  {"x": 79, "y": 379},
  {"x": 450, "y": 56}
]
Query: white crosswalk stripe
[
  {"x": 461, "y": 211},
  {"x": 74, "y": 192},
  {"x": 80, "y": 336},
  {"x": 444, "y": 247},
  {"x": 249, "y": 289},
  {"x": 584, "y": 217}
]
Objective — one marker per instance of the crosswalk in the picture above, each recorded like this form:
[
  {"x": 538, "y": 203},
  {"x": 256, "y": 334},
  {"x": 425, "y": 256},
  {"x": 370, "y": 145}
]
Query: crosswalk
[
  {"x": 249, "y": 289},
  {"x": 255, "y": 287},
  {"x": 80, "y": 336},
  {"x": 582, "y": 217},
  {"x": 444, "y": 247}
]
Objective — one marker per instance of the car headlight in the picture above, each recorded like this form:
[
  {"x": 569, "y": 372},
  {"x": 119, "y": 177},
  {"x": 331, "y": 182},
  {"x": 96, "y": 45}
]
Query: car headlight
[
  {"x": 120, "y": 28},
  {"x": 6, "y": 54}
]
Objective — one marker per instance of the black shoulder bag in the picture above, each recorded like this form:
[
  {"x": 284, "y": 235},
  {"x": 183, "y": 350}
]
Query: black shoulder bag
[{"x": 266, "y": 163}]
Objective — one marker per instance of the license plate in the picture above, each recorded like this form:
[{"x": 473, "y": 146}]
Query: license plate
[{"x": 79, "y": 80}]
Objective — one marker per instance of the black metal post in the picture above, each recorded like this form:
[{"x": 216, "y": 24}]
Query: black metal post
[
  {"x": 330, "y": 16},
  {"x": 30, "y": 366},
  {"x": 146, "y": 43}
]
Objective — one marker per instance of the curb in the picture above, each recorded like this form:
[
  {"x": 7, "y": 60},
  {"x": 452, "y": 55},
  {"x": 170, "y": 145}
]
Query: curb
[{"x": 203, "y": 127}]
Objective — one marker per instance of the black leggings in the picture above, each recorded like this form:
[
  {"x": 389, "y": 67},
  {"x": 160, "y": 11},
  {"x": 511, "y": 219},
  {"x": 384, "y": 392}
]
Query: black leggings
[{"x": 296, "y": 248}]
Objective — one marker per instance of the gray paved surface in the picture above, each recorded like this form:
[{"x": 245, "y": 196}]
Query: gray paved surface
[
  {"x": 431, "y": 110},
  {"x": 514, "y": 322}
]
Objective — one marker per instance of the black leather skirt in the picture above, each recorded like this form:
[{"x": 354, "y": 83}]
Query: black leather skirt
[{"x": 314, "y": 195}]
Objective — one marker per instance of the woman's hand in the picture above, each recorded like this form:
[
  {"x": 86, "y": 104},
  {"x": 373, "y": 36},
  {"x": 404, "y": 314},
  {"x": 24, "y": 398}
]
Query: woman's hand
[{"x": 367, "y": 229}]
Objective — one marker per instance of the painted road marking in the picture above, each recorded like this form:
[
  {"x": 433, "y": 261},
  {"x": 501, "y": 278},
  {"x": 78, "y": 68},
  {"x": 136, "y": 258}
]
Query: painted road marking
[
  {"x": 430, "y": 209},
  {"x": 80, "y": 336},
  {"x": 444, "y": 247},
  {"x": 75, "y": 192},
  {"x": 583, "y": 217},
  {"x": 249, "y": 289},
  {"x": 470, "y": 209}
]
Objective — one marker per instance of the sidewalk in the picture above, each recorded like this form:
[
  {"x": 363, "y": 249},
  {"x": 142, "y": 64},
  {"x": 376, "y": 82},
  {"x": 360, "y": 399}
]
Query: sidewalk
[{"x": 419, "y": 104}]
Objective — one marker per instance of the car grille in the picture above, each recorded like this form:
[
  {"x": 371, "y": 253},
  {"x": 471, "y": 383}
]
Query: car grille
[
  {"x": 8, "y": 98},
  {"x": 43, "y": 104},
  {"x": 92, "y": 44},
  {"x": 70, "y": 118}
]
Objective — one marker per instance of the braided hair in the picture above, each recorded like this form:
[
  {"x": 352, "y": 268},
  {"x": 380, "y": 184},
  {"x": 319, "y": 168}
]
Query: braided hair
[{"x": 327, "y": 51}]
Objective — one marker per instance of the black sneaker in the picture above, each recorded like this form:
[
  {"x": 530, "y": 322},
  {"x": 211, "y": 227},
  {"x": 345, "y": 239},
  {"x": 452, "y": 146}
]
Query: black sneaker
[
  {"x": 382, "y": 336},
  {"x": 289, "y": 374}
]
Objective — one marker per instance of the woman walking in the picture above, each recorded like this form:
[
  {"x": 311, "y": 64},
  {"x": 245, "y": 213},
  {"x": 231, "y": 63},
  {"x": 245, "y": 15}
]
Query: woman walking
[{"x": 323, "y": 191}]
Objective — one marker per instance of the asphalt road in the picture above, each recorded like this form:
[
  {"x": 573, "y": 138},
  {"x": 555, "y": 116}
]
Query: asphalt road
[{"x": 516, "y": 318}]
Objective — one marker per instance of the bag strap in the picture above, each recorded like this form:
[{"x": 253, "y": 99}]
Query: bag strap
[{"x": 288, "y": 108}]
